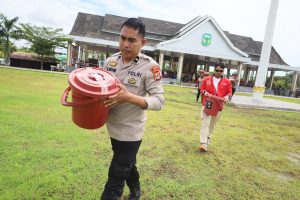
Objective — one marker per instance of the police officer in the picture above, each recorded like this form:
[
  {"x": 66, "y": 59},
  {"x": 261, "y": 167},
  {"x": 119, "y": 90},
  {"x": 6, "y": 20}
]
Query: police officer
[{"x": 138, "y": 76}]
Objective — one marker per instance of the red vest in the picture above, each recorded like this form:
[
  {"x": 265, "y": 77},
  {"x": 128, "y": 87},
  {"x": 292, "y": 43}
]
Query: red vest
[{"x": 224, "y": 88}]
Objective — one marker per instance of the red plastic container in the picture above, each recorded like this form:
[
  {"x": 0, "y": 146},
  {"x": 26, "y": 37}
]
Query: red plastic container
[
  {"x": 213, "y": 104},
  {"x": 90, "y": 87}
]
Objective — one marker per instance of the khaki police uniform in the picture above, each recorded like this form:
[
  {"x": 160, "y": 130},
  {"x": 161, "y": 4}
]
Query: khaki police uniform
[{"x": 141, "y": 76}]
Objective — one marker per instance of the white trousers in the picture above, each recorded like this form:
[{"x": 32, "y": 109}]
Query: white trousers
[{"x": 207, "y": 126}]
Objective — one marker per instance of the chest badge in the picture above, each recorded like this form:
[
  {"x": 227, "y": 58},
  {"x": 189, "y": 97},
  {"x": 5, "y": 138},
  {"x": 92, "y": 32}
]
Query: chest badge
[
  {"x": 131, "y": 81},
  {"x": 113, "y": 63}
]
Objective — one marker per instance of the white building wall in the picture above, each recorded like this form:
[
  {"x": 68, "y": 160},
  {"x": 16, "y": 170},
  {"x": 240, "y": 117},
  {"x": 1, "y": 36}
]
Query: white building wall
[{"x": 191, "y": 43}]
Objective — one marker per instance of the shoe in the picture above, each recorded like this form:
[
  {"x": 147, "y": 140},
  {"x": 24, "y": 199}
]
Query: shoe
[
  {"x": 203, "y": 147},
  {"x": 135, "y": 193}
]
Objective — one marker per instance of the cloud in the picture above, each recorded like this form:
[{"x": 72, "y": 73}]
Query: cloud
[{"x": 54, "y": 13}]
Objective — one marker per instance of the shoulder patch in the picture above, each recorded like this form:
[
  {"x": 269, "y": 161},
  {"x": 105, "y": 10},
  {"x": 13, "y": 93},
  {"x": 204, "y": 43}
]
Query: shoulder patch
[{"x": 156, "y": 72}]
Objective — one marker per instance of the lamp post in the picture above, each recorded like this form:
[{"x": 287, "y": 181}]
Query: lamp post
[{"x": 259, "y": 87}]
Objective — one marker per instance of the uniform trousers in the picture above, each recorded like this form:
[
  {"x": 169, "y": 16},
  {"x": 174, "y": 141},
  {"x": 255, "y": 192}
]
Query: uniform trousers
[
  {"x": 207, "y": 126},
  {"x": 122, "y": 169}
]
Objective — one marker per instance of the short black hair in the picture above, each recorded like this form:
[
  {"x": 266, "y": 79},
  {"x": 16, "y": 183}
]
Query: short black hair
[
  {"x": 220, "y": 64},
  {"x": 136, "y": 24}
]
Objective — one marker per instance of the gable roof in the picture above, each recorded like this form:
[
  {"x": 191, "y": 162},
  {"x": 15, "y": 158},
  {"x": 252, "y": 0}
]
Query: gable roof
[
  {"x": 101, "y": 28},
  {"x": 197, "y": 23},
  {"x": 253, "y": 48}
]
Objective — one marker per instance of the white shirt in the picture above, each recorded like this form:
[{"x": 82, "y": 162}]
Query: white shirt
[{"x": 216, "y": 82}]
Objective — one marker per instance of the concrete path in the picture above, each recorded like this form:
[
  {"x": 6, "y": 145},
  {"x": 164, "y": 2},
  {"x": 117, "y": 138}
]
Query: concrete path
[{"x": 249, "y": 102}]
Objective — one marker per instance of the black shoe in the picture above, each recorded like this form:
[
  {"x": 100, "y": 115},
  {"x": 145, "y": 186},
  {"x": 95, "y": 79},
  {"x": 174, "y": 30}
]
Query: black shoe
[
  {"x": 135, "y": 193},
  {"x": 109, "y": 195}
]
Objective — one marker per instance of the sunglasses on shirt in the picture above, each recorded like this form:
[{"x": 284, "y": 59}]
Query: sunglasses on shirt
[{"x": 219, "y": 70}]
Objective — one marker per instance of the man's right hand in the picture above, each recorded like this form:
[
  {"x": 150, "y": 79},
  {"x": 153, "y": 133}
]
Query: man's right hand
[{"x": 207, "y": 94}]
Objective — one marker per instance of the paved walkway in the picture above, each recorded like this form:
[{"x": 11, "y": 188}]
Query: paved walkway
[{"x": 249, "y": 102}]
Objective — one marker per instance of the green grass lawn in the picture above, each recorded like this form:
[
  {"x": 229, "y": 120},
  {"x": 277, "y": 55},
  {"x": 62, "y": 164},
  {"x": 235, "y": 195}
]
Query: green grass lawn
[{"x": 255, "y": 154}]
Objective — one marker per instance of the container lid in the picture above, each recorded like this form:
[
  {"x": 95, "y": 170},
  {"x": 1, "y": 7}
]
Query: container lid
[{"x": 93, "y": 82}]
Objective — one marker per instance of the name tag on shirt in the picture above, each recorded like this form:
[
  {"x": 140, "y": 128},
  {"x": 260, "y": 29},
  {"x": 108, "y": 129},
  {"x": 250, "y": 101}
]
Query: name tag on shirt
[{"x": 111, "y": 69}]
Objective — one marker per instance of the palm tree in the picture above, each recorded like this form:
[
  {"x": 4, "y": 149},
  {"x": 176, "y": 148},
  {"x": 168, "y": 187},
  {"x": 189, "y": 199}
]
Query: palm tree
[{"x": 8, "y": 30}]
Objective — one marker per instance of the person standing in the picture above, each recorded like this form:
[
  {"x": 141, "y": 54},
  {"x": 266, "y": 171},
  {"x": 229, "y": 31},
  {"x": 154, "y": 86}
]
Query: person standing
[
  {"x": 219, "y": 86},
  {"x": 234, "y": 81},
  {"x": 198, "y": 84},
  {"x": 203, "y": 74},
  {"x": 138, "y": 75}
]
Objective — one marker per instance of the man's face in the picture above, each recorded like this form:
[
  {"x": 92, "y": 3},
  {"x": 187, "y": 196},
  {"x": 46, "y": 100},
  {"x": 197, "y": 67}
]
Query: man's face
[
  {"x": 130, "y": 43},
  {"x": 218, "y": 71}
]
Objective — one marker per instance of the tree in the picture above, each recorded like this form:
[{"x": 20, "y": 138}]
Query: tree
[
  {"x": 25, "y": 50},
  {"x": 2, "y": 47},
  {"x": 44, "y": 40},
  {"x": 8, "y": 30}
]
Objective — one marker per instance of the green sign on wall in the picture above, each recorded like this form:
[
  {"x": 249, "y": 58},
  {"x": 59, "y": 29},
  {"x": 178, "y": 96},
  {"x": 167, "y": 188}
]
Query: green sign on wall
[{"x": 206, "y": 39}]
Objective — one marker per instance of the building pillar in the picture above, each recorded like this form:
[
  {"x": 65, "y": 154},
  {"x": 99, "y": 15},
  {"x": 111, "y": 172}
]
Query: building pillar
[
  {"x": 179, "y": 70},
  {"x": 171, "y": 63},
  {"x": 271, "y": 78},
  {"x": 86, "y": 55},
  {"x": 161, "y": 59},
  {"x": 295, "y": 79},
  {"x": 69, "y": 54},
  {"x": 246, "y": 75},
  {"x": 83, "y": 55},
  {"x": 206, "y": 67},
  {"x": 240, "y": 67},
  {"x": 259, "y": 87},
  {"x": 79, "y": 54}
]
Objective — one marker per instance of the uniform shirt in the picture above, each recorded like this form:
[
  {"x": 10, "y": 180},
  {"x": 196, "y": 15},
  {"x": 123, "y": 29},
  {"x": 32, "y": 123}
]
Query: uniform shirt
[
  {"x": 142, "y": 76},
  {"x": 224, "y": 87}
]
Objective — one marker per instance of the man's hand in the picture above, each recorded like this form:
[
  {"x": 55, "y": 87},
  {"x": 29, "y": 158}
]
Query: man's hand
[
  {"x": 207, "y": 94},
  {"x": 122, "y": 96},
  {"x": 226, "y": 98}
]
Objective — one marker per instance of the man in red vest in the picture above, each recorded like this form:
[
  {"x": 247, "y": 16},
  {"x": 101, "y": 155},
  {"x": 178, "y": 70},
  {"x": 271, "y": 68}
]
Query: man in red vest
[{"x": 215, "y": 85}]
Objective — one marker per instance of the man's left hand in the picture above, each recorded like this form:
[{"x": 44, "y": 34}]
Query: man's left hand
[
  {"x": 226, "y": 98},
  {"x": 122, "y": 96}
]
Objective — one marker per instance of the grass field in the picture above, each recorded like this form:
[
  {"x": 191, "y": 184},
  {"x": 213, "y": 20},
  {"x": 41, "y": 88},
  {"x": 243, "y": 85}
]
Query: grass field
[{"x": 255, "y": 154}]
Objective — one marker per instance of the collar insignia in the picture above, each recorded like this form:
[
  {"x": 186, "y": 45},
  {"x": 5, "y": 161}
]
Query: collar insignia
[{"x": 136, "y": 59}]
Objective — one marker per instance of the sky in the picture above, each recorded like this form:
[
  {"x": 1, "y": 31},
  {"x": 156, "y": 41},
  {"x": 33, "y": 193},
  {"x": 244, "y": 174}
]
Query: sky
[{"x": 241, "y": 17}]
